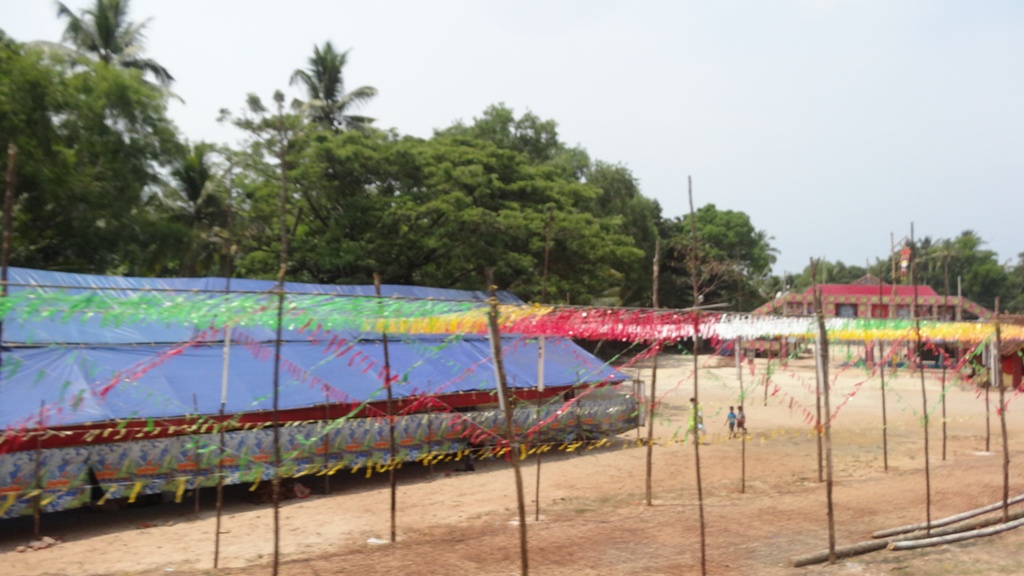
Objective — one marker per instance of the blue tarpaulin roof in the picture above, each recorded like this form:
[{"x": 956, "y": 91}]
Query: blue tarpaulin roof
[{"x": 81, "y": 371}]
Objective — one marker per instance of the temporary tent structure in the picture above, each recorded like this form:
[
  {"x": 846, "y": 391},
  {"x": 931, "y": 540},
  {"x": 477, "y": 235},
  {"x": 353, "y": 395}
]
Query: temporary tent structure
[{"x": 98, "y": 381}]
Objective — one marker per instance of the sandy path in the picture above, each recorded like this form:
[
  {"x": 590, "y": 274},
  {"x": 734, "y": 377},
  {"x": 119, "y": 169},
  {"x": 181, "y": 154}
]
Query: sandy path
[{"x": 593, "y": 517}]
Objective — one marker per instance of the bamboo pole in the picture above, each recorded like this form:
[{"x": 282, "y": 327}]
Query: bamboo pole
[
  {"x": 392, "y": 449},
  {"x": 823, "y": 392},
  {"x": 997, "y": 363},
  {"x": 37, "y": 500},
  {"x": 743, "y": 430},
  {"x": 430, "y": 431},
  {"x": 948, "y": 520},
  {"x": 275, "y": 487},
  {"x": 885, "y": 422},
  {"x": 229, "y": 272},
  {"x": 924, "y": 390},
  {"x": 821, "y": 346},
  {"x": 942, "y": 357},
  {"x": 195, "y": 456},
  {"x": 696, "y": 379},
  {"x": 282, "y": 270},
  {"x": 873, "y": 545},
  {"x": 764, "y": 378},
  {"x": 5, "y": 252},
  {"x": 817, "y": 422},
  {"x": 988, "y": 414},
  {"x": 958, "y": 537},
  {"x": 327, "y": 443},
  {"x": 220, "y": 461},
  {"x": 540, "y": 347},
  {"x": 510, "y": 437},
  {"x": 654, "y": 381}
]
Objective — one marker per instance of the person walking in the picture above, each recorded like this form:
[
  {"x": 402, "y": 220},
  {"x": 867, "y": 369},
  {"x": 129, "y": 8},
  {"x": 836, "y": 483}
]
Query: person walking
[{"x": 730, "y": 421}]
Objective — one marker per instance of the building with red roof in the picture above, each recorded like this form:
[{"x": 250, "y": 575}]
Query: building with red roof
[{"x": 869, "y": 297}]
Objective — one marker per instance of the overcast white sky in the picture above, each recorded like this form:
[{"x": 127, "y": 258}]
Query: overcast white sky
[{"x": 831, "y": 123}]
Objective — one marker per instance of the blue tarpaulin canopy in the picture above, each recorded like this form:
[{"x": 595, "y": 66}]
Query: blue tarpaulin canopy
[{"x": 81, "y": 370}]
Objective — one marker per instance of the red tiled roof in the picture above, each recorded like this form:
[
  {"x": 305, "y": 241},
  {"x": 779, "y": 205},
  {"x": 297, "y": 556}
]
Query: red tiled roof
[{"x": 886, "y": 290}]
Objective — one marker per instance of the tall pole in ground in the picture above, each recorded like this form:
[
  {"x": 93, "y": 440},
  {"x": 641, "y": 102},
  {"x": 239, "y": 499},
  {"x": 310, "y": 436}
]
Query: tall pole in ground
[
  {"x": 885, "y": 422},
  {"x": 654, "y": 380},
  {"x": 506, "y": 405},
  {"x": 892, "y": 261},
  {"x": 5, "y": 253},
  {"x": 823, "y": 390},
  {"x": 275, "y": 491},
  {"x": 37, "y": 500},
  {"x": 221, "y": 425},
  {"x": 228, "y": 273},
  {"x": 942, "y": 351},
  {"x": 924, "y": 391},
  {"x": 391, "y": 422},
  {"x": 817, "y": 389},
  {"x": 195, "y": 456},
  {"x": 988, "y": 413},
  {"x": 743, "y": 431},
  {"x": 696, "y": 397},
  {"x": 540, "y": 347},
  {"x": 998, "y": 381}
]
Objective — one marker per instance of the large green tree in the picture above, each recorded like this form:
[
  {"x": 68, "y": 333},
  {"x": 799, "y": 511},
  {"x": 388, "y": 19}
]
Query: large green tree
[
  {"x": 732, "y": 258},
  {"x": 92, "y": 139}
]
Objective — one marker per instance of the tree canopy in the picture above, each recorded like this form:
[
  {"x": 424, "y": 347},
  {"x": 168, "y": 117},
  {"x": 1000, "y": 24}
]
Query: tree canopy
[{"x": 107, "y": 184}]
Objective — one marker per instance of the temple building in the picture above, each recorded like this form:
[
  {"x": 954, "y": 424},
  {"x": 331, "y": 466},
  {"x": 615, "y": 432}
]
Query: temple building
[{"x": 869, "y": 297}]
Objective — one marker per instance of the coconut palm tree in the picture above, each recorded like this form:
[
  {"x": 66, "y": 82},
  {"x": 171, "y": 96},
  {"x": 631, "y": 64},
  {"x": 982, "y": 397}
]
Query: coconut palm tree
[
  {"x": 104, "y": 31},
  {"x": 196, "y": 203},
  {"x": 328, "y": 103}
]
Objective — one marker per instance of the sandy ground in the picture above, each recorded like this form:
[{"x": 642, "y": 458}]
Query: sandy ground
[{"x": 593, "y": 515}]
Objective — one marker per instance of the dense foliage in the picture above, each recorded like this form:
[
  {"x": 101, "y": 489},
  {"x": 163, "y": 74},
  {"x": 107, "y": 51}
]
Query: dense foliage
[{"x": 107, "y": 184}]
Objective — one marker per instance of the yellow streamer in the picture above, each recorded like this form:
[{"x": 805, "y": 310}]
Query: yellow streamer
[
  {"x": 180, "y": 491},
  {"x": 8, "y": 502},
  {"x": 135, "y": 492}
]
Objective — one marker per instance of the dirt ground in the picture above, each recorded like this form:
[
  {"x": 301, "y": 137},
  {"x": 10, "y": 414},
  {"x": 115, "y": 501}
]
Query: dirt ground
[{"x": 593, "y": 515}]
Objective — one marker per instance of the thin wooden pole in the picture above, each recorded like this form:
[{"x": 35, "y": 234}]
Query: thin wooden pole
[
  {"x": 988, "y": 415},
  {"x": 742, "y": 430},
  {"x": 820, "y": 383},
  {"x": 430, "y": 431},
  {"x": 12, "y": 154},
  {"x": 942, "y": 358},
  {"x": 327, "y": 443},
  {"x": 652, "y": 401},
  {"x": 37, "y": 500},
  {"x": 764, "y": 380},
  {"x": 823, "y": 390},
  {"x": 5, "y": 253},
  {"x": 885, "y": 422},
  {"x": 226, "y": 364},
  {"x": 540, "y": 393},
  {"x": 510, "y": 436},
  {"x": 997, "y": 362},
  {"x": 696, "y": 397},
  {"x": 195, "y": 456},
  {"x": 817, "y": 423},
  {"x": 282, "y": 270},
  {"x": 924, "y": 390},
  {"x": 391, "y": 423},
  {"x": 942, "y": 353},
  {"x": 892, "y": 262},
  {"x": 540, "y": 348},
  {"x": 221, "y": 425}
]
